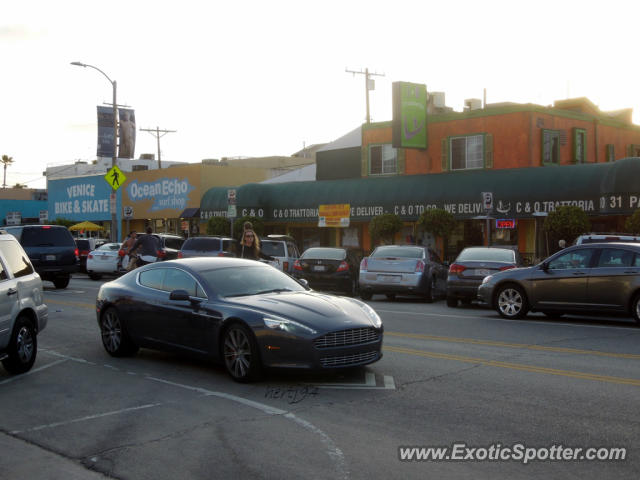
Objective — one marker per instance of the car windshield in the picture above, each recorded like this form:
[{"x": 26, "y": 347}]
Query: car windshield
[
  {"x": 487, "y": 255},
  {"x": 109, "y": 247},
  {"x": 324, "y": 253},
  {"x": 270, "y": 247},
  {"x": 249, "y": 280},
  {"x": 83, "y": 244},
  {"x": 202, "y": 244},
  {"x": 401, "y": 252},
  {"x": 46, "y": 236}
]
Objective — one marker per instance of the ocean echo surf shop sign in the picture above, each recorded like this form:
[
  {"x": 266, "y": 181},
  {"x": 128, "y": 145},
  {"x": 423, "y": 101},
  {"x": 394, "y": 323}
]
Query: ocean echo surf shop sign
[{"x": 164, "y": 193}]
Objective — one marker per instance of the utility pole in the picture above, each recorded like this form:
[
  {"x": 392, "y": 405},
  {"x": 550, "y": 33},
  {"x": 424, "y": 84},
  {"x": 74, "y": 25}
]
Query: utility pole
[
  {"x": 156, "y": 133},
  {"x": 368, "y": 84}
]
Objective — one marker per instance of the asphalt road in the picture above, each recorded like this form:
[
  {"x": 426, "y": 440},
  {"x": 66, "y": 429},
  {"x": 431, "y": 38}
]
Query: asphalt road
[{"x": 449, "y": 376}]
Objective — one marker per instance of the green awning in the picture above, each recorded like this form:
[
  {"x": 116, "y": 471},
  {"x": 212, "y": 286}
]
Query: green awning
[{"x": 517, "y": 193}]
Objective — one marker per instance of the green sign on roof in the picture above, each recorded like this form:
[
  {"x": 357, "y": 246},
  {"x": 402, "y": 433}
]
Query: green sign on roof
[{"x": 409, "y": 115}]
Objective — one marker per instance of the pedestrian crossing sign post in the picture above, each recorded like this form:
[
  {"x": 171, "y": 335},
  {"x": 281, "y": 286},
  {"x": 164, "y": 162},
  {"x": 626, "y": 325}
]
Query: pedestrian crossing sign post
[{"x": 115, "y": 177}]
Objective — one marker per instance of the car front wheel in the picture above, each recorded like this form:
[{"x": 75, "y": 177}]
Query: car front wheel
[
  {"x": 23, "y": 347},
  {"x": 115, "y": 339},
  {"x": 511, "y": 302},
  {"x": 635, "y": 308},
  {"x": 240, "y": 351}
]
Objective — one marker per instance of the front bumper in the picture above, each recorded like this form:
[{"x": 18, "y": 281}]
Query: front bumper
[{"x": 485, "y": 293}]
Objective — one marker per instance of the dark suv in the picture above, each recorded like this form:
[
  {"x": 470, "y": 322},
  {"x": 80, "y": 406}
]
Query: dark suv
[
  {"x": 170, "y": 246},
  {"x": 51, "y": 249}
]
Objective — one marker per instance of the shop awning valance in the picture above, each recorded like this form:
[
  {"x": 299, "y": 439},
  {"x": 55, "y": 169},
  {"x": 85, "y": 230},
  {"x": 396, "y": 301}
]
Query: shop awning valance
[{"x": 603, "y": 188}]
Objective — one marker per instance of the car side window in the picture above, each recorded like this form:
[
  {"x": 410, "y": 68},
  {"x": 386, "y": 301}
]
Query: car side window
[
  {"x": 636, "y": 261},
  {"x": 152, "y": 278},
  {"x": 17, "y": 260},
  {"x": 175, "y": 279},
  {"x": 3, "y": 273},
  {"x": 611, "y": 257},
  {"x": 573, "y": 259}
]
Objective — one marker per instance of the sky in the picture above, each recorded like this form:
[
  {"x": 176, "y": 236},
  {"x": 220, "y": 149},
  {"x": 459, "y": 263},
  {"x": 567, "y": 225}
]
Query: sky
[{"x": 258, "y": 78}]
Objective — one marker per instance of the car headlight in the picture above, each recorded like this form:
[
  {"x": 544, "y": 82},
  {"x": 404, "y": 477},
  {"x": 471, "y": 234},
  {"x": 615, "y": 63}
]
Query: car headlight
[
  {"x": 371, "y": 313},
  {"x": 277, "y": 323},
  {"x": 486, "y": 279}
]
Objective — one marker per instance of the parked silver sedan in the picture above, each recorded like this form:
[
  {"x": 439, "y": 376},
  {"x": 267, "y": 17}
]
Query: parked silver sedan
[
  {"x": 403, "y": 270},
  {"x": 595, "y": 278}
]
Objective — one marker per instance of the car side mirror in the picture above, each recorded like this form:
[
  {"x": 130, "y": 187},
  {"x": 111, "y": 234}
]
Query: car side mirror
[
  {"x": 304, "y": 282},
  {"x": 545, "y": 266}
]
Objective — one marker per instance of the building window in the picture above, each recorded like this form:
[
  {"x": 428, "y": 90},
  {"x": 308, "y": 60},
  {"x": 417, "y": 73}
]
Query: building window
[
  {"x": 550, "y": 147},
  {"x": 466, "y": 152},
  {"x": 633, "y": 150},
  {"x": 610, "y": 152},
  {"x": 579, "y": 145},
  {"x": 383, "y": 160}
]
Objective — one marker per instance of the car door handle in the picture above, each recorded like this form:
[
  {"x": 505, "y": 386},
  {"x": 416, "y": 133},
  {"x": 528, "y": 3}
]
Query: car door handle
[{"x": 12, "y": 291}]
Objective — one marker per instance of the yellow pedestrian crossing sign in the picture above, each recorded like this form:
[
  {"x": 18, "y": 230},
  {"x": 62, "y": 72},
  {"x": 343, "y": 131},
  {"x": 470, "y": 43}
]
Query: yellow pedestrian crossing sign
[{"x": 115, "y": 177}]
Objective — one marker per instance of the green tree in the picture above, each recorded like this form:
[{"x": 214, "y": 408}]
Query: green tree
[
  {"x": 258, "y": 226},
  {"x": 439, "y": 223},
  {"x": 218, "y": 226},
  {"x": 384, "y": 227},
  {"x": 64, "y": 222},
  {"x": 632, "y": 225},
  {"x": 566, "y": 223},
  {"x": 19, "y": 185},
  {"x": 6, "y": 160}
]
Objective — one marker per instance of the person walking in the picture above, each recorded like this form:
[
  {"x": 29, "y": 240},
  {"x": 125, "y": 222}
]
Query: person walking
[
  {"x": 146, "y": 246},
  {"x": 126, "y": 246},
  {"x": 250, "y": 247}
]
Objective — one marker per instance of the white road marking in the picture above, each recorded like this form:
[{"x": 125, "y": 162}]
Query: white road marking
[
  {"x": 83, "y": 419},
  {"x": 31, "y": 372},
  {"x": 554, "y": 324},
  {"x": 335, "y": 454}
]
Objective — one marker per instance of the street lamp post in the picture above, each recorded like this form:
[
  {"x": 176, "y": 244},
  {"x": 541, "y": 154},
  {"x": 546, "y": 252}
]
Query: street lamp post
[{"x": 114, "y": 159}]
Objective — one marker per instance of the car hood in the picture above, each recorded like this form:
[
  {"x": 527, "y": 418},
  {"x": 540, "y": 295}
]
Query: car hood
[{"x": 317, "y": 310}]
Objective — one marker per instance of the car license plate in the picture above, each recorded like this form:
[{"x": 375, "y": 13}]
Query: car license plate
[
  {"x": 482, "y": 272},
  {"x": 389, "y": 278},
  {"x": 50, "y": 258},
  {"x": 318, "y": 268},
  {"x": 104, "y": 257}
]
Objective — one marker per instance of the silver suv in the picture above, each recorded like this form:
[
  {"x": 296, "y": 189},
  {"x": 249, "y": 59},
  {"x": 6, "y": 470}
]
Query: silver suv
[
  {"x": 283, "y": 248},
  {"x": 23, "y": 313}
]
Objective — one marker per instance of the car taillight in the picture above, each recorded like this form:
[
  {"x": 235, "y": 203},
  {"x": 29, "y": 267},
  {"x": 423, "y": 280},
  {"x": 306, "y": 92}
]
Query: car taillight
[
  {"x": 77, "y": 253},
  {"x": 363, "y": 264},
  {"x": 285, "y": 266},
  {"x": 180, "y": 255},
  {"x": 89, "y": 256},
  {"x": 343, "y": 267},
  {"x": 297, "y": 266},
  {"x": 420, "y": 266},
  {"x": 162, "y": 254},
  {"x": 507, "y": 267},
  {"x": 456, "y": 268}
]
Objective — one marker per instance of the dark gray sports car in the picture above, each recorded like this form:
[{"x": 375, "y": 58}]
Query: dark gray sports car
[{"x": 244, "y": 313}]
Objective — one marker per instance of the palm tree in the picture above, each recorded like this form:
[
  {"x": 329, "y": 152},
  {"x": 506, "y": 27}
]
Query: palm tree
[{"x": 6, "y": 160}]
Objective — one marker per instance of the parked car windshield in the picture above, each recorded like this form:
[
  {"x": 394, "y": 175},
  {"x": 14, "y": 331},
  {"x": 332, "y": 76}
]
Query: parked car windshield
[
  {"x": 237, "y": 281},
  {"x": 487, "y": 254},
  {"x": 109, "y": 246},
  {"x": 395, "y": 251},
  {"x": 34, "y": 237},
  {"x": 324, "y": 253},
  {"x": 173, "y": 242},
  {"x": 275, "y": 249}
]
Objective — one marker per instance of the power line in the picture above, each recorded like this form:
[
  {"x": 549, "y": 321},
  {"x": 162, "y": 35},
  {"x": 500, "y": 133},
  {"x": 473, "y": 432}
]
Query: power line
[{"x": 156, "y": 133}]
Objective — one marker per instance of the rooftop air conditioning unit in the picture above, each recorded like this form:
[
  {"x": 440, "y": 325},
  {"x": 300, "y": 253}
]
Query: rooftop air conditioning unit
[
  {"x": 437, "y": 99},
  {"x": 472, "y": 104}
]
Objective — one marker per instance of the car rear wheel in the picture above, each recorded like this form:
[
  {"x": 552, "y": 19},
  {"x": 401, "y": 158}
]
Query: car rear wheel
[
  {"x": 511, "y": 302},
  {"x": 240, "y": 351},
  {"x": 365, "y": 295},
  {"x": 23, "y": 347},
  {"x": 61, "y": 282},
  {"x": 115, "y": 339},
  {"x": 635, "y": 308},
  {"x": 452, "y": 302}
]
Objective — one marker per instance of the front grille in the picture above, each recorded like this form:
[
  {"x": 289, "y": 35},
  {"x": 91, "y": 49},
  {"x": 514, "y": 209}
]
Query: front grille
[
  {"x": 346, "y": 360},
  {"x": 355, "y": 336}
]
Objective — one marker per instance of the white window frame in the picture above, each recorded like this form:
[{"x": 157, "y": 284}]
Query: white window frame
[
  {"x": 477, "y": 159},
  {"x": 389, "y": 159}
]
